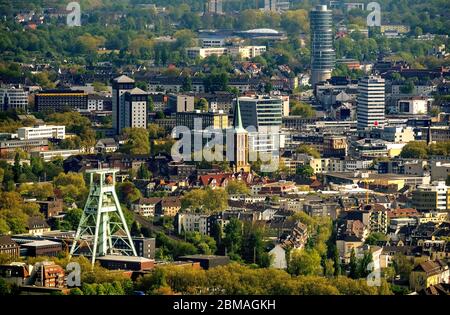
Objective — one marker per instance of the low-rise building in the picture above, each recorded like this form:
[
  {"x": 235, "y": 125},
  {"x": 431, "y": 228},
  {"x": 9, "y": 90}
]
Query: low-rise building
[
  {"x": 428, "y": 273},
  {"x": 13, "y": 99},
  {"x": 439, "y": 170},
  {"x": 48, "y": 156},
  {"x": 146, "y": 207},
  {"x": 42, "y": 132},
  {"x": 134, "y": 263},
  {"x": 37, "y": 226},
  {"x": 49, "y": 275},
  {"x": 42, "y": 248},
  {"x": 11, "y": 146},
  {"x": 8, "y": 247},
  {"x": 413, "y": 106},
  {"x": 193, "y": 222},
  {"x": 169, "y": 207},
  {"x": 207, "y": 261},
  {"x": 246, "y": 52},
  {"x": 432, "y": 197},
  {"x": 106, "y": 145},
  {"x": 51, "y": 208},
  {"x": 398, "y": 134}
]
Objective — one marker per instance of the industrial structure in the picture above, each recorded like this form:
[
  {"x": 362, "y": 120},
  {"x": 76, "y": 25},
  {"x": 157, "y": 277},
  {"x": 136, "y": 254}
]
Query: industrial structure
[{"x": 102, "y": 226}]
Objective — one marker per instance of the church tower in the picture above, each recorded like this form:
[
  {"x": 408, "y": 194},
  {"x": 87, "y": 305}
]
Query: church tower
[{"x": 240, "y": 161}]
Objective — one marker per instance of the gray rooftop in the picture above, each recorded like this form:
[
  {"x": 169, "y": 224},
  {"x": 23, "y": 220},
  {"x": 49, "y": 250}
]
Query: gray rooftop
[{"x": 123, "y": 79}]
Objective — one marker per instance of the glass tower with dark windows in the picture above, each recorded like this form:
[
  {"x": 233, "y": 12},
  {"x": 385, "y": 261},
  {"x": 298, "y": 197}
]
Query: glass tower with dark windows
[
  {"x": 323, "y": 56},
  {"x": 120, "y": 86}
]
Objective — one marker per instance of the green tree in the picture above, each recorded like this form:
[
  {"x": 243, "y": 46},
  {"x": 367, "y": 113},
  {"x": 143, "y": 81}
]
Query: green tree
[
  {"x": 233, "y": 237},
  {"x": 71, "y": 185},
  {"x": 236, "y": 187},
  {"x": 305, "y": 262},
  {"x": 127, "y": 192},
  {"x": 415, "y": 149},
  {"x": 363, "y": 264},
  {"x": 72, "y": 219},
  {"x": 137, "y": 141},
  {"x": 17, "y": 168},
  {"x": 408, "y": 87},
  {"x": 353, "y": 265},
  {"x": 143, "y": 172},
  {"x": 205, "y": 200},
  {"x": 76, "y": 291},
  {"x": 302, "y": 109},
  {"x": 403, "y": 266},
  {"x": 329, "y": 269},
  {"x": 253, "y": 249},
  {"x": 305, "y": 171},
  {"x": 99, "y": 87},
  {"x": 307, "y": 149},
  {"x": 373, "y": 238}
]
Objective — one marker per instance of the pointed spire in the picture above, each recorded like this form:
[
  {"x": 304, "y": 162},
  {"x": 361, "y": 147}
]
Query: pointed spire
[{"x": 237, "y": 119}]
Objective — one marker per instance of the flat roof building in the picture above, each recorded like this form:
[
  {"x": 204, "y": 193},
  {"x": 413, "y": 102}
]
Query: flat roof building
[
  {"x": 207, "y": 261},
  {"x": 42, "y": 132},
  {"x": 134, "y": 263},
  {"x": 13, "y": 99},
  {"x": 61, "y": 100}
]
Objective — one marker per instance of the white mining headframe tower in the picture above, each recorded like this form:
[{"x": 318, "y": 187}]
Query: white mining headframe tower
[{"x": 102, "y": 224}]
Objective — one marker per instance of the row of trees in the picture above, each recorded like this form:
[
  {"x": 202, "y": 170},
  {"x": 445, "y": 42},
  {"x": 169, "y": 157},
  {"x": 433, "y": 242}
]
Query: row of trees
[
  {"x": 235, "y": 279},
  {"x": 205, "y": 200},
  {"x": 15, "y": 212},
  {"x": 245, "y": 242},
  {"x": 421, "y": 150}
]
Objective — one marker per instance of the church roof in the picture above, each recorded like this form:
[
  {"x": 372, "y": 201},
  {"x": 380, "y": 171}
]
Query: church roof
[{"x": 237, "y": 119}]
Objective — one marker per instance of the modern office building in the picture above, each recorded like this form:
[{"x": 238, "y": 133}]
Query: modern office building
[
  {"x": 99, "y": 103},
  {"x": 194, "y": 52},
  {"x": 371, "y": 103},
  {"x": 323, "y": 56},
  {"x": 417, "y": 105},
  {"x": 276, "y": 5},
  {"x": 215, "y": 7},
  {"x": 181, "y": 103},
  {"x": 13, "y": 99},
  {"x": 136, "y": 104},
  {"x": 432, "y": 197},
  {"x": 262, "y": 117},
  {"x": 398, "y": 134},
  {"x": 120, "y": 86},
  {"x": 42, "y": 132},
  {"x": 246, "y": 52},
  {"x": 216, "y": 120},
  {"x": 261, "y": 112},
  {"x": 60, "y": 101},
  {"x": 270, "y": 5}
]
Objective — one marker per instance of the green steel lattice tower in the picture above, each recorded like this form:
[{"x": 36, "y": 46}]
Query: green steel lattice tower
[{"x": 102, "y": 224}]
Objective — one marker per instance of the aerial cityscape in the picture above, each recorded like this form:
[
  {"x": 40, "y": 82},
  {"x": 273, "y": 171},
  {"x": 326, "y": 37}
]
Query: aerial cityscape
[{"x": 224, "y": 148}]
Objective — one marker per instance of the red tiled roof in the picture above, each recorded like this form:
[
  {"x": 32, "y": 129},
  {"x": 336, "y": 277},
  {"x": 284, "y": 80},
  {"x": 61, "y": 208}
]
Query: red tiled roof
[{"x": 401, "y": 213}]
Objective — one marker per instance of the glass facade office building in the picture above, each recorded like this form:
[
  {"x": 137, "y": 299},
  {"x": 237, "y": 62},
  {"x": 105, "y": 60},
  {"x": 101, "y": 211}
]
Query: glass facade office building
[{"x": 323, "y": 56}]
